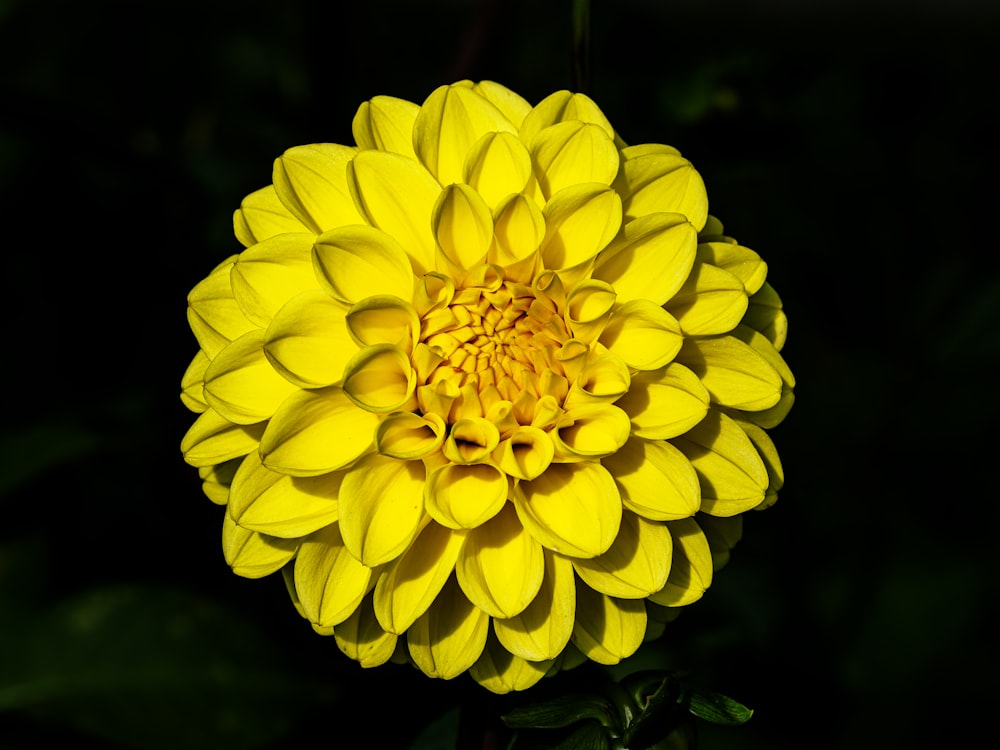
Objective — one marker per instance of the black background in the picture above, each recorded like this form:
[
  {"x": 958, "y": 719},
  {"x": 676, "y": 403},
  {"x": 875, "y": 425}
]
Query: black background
[{"x": 852, "y": 145}]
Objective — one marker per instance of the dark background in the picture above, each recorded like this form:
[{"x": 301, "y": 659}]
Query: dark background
[{"x": 852, "y": 145}]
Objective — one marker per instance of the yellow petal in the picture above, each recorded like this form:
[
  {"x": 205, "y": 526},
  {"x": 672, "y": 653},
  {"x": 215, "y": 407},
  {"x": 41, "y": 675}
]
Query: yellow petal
[
  {"x": 691, "y": 568},
  {"x": 386, "y": 123},
  {"x": 499, "y": 671},
  {"x": 497, "y": 166},
  {"x": 355, "y": 262},
  {"x": 279, "y": 505},
  {"x": 732, "y": 475},
  {"x": 635, "y": 565},
  {"x": 450, "y": 121},
  {"x": 262, "y": 215},
  {"x": 741, "y": 262},
  {"x": 463, "y": 497},
  {"x": 733, "y": 372},
  {"x": 329, "y": 581},
  {"x": 588, "y": 309},
  {"x": 308, "y": 341},
  {"x": 526, "y": 453},
  {"x": 573, "y": 509},
  {"x": 310, "y": 182},
  {"x": 406, "y": 435},
  {"x": 217, "y": 479},
  {"x": 654, "y": 181},
  {"x": 563, "y": 106},
  {"x": 722, "y": 535},
  {"x": 213, "y": 313},
  {"x": 396, "y": 194},
  {"x": 384, "y": 320},
  {"x": 590, "y": 431},
  {"x": 542, "y": 630},
  {"x": 361, "y": 638},
  {"x": 270, "y": 273},
  {"x": 603, "y": 379},
  {"x": 665, "y": 402},
  {"x": 213, "y": 439},
  {"x": 471, "y": 440},
  {"x": 644, "y": 335},
  {"x": 573, "y": 152},
  {"x": 764, "y": 314},
  {"x": 241, "y": 385},
  {"x": 413, "y": 580},
  {"x": 519, "y": 229},
  {"x": 513, "y": 106},
  {"x": 607, "y": 629},
  {"x": 501, "y": 565},
  {"x": 379, "y": 378},
  {"x": 579, "y": 222},
  {"x": 254, "y": 555},
  {"x": 381, "y": 506},
  {"x": 651, "y": 259},
  {"x": 193, "y": 381},
  {"x": 656, "y": 480},
  {"x": 463, "y": 225},
  {"x": 449, "y": 637},
  {"x": 316, "y": 432},
  {"x": 711, "y": 301}
]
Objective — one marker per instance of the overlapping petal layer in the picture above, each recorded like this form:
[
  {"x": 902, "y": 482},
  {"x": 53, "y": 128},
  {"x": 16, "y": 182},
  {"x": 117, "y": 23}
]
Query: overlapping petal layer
[{"x": 486, "y": 386}]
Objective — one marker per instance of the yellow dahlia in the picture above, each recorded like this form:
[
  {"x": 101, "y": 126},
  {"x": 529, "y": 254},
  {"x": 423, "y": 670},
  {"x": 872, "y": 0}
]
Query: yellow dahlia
[{"x": 490, "y": 387}]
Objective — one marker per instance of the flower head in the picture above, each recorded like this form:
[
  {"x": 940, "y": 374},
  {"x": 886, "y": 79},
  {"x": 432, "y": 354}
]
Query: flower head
[{"x": 491, "y": 387}]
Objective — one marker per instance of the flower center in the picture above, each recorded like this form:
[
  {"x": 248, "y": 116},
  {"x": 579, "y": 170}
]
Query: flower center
[{"x": 503, "y": 339}]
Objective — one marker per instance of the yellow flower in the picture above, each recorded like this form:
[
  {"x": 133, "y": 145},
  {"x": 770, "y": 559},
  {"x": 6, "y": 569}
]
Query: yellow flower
[{"x": 490, "y": 388}]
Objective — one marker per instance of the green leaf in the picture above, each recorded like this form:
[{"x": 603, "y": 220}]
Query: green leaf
[
  {"x": 658, "y": 717},
  {"x": 560, "y": 712},
  {"x": 717, "y": 708}
]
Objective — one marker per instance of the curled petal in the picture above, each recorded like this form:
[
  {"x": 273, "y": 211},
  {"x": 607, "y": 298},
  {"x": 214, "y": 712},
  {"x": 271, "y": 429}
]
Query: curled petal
[
  {"x": 254, "y": 555},
  {"x": 499, "y": 671},
  {"x": 590, "y": 431},
  {"x": 361, "y": 638},
  {"x": 449, "y": 637},
  {"x": 316, "y": 432},
  {"x": 526, "y": 453},
  {"x": 193, "y": 383},
  {"x": 607, "y": 629},
  {"x": 644, "y": 335},
  {"x": 408, "y": 436},
  {"x": 603, "y": 379},
  {"x": 635, "y": 565},
  {"x": 691, "y": 568},
  {"x": 262, "y": 215},
  {"x": 329, "y": 581},
  {"x": 734, "y": 374},
  {"x": 519, "y": 228},
  {"x": 501, "y": 565},
  {"x": 385, "y": 123},
  {"x": 656, "y": 480},
  {"x": 543, "y": 629},
  {"x": 381, "y": 507},
  {"x": 497, "y": 165},
  {"x": 651, "y": 181},
  {"x": 463, "y": 225},
  {"x": 563, "y": 106},
  {"x": 463, "y": 497},
  {"x": 471, "y": 440},
  {"x": 572, "y": 152},
  {"x": 355, "y": 262},
  {"x": 310, "y": 182},
  {"x": 213, "y": 439},
  {"x": 241, "y": 384},
  {"x": 396, "y": 194},
  {"x": 732, "y": 475},
  {"x": 213, "y": 313},
  {"x": 580, "y": 221},
  {"x": 450, "y": 121},
  {"x": 588, "y": 308},
  {"x": 308, "y": 341},
  {"x": 279, "y": 505},
  {"x": 712, "y": 301},
  {"x": 741, "y": 262},
  {"x": 270, "y": 273},
  {"x": 414, "y": 579},
  {"x": 666, "y": 402},
  {"x": 384, "y": 320},
  {"x": 379, "y": 378},
  {"x": 551, "y": 506},
  {"x": 651, "y": 258}
]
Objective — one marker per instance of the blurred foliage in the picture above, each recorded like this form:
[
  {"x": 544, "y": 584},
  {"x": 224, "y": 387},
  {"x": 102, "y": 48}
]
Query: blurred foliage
[{"x": 852, "y": 144}]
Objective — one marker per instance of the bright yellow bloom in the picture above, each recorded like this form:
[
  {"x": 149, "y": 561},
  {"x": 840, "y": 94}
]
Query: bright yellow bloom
[{"x": 490, "y": 388}]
